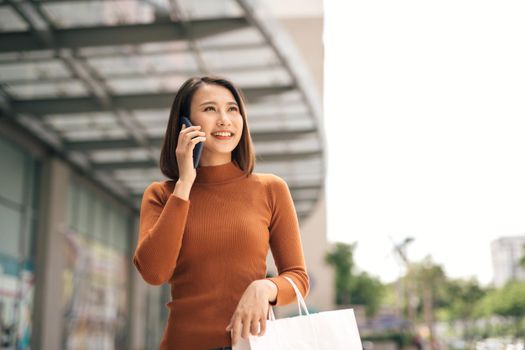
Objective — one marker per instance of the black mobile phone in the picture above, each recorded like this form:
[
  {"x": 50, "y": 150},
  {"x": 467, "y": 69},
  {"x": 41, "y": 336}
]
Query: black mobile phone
[{"x": 197, "y": 150}]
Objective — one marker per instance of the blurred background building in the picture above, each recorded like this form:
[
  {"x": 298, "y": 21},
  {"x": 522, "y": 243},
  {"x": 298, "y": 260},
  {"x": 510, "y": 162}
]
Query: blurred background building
[
  {"x": 85, "y": 91},
  {"x": 506, "y": 255}
]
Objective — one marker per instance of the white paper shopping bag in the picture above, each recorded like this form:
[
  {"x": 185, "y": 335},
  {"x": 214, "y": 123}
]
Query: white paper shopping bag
[{"x": 329, "y": 330}]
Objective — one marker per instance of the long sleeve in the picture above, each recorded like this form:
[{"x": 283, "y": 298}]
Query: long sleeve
[
  {"x": 285, "y": 243},
  {"x": 161, "y": 230}
]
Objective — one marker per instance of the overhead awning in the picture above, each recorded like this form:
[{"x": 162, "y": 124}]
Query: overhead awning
[{"x": 95, "y": 79}]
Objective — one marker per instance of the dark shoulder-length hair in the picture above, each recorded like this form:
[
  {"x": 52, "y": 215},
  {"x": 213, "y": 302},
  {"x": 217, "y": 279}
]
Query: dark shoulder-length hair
[{"x": 243, "y": 154}]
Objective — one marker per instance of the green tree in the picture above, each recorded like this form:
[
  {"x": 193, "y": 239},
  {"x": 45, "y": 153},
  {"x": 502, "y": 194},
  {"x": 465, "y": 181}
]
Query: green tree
[
  {"x": 430, "y": 281},
  {"x": 367, "y": 290},
  {"x": 461, "y": 296},
  {"x": 352, "y": 287},
  {"x": 508, "y": 302},
  {"x": 342, "y": 259},
  {"x": 511, "y": 300},
  {"x": 459, "y": 303}
]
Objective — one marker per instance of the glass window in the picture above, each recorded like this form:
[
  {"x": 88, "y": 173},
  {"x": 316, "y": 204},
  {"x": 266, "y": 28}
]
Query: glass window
[
  {"x": 105, "y": 156},
  {"x": 270, "y": 76},
  {"x": 71, "y": 207},
  {"x": 9, "y": 231},
  {"x": 96, "y": 276},
  {"x": 101, "y": 220},
  {"x": 72, "y": 122},
  {"x": 231, "y": 59},
  {"x": 32, "y": 71},
  {"x": 18, "y": 223},
  {"x": 131, "y": 64},
  {"x": 165, "y": 82},
  {"x": 156, "y": 314},
  {"x": 98, "y": 13},
  {"x": 40, "y": 89},
  {"x": 12, "y": 172},
  {"x": 85, "y": 205},
  {"x": 120, "y": 239},
  {"x": 210, "y": 8},
  {"x": 11, "y": 21},
  {"x": 94, "y": 134}
]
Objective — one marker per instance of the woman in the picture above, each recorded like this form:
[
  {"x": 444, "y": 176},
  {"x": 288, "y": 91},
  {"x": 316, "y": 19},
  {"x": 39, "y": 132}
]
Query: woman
[{"x": 207, "y": 231}]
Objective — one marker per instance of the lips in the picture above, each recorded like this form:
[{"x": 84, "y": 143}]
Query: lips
[
  {"x": 224, "y": 135},
  {"x": 220, "y": 137}
]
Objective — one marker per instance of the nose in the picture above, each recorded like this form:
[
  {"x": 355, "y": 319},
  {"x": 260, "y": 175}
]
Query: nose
[{"x": 224, "y": 119}]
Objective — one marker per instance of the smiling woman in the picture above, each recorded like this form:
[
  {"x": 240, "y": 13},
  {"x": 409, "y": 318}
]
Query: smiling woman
[{"x": 207, "y": 231}]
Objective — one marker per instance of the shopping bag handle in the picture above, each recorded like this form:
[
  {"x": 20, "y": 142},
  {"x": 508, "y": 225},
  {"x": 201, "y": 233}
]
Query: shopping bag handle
[{"x": 300, "y": 301}]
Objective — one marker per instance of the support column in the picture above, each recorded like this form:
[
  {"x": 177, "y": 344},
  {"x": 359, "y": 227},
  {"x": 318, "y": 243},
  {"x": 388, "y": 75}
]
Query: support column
[
  {"x": 50, "y": 259},
  {"x": 138, "y": 299}
]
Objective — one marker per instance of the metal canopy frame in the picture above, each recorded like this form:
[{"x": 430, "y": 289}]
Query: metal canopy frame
[
  {"x": 50, "y": 86},
  {"x": 70, "y": 105}
]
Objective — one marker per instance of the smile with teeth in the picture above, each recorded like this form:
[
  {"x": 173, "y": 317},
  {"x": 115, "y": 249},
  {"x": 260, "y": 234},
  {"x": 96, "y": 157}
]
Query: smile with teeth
[{"x": 223, "y": 134}]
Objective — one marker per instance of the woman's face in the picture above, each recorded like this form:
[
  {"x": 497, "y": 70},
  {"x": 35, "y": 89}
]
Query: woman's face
[{"x": 213, "y": 107}]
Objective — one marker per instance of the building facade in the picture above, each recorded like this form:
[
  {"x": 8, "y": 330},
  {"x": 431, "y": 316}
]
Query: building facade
[{"x": 506, "y": 255}]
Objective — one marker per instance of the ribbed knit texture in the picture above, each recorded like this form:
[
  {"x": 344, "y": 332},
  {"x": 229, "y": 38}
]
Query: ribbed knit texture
[{"x": 212, "y": 246}]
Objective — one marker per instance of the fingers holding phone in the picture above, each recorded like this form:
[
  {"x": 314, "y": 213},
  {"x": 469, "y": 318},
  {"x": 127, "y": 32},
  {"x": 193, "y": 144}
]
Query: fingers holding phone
[{"x": 188, "y": 139}]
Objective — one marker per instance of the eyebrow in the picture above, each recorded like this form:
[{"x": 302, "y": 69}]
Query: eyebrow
[{"x": 212, "y": 102}]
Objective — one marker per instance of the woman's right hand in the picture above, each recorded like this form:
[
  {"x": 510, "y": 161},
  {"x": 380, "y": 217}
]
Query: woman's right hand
[{"x": 188, "y": 138}]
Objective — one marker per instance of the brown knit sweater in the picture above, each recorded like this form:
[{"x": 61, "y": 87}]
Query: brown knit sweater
[{"x": 212, "y": 246}]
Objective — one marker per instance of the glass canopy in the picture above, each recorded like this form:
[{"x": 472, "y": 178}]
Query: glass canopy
[{"x": 94, "y": 80}]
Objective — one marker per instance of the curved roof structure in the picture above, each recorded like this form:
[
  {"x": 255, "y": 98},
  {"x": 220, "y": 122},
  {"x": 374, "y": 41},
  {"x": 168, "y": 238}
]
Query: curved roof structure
[{"x": 94, "y": 80}]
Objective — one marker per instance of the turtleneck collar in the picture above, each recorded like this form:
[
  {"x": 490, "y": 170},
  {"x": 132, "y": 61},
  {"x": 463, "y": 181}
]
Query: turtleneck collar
[{"x": 217, "y": 174}]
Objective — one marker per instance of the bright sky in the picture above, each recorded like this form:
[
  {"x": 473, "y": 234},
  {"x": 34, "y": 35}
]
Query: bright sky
[{"x": 425, "y": 123}]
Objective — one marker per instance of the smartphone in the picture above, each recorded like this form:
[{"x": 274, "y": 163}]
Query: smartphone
[{"x": 197, "y": 150}]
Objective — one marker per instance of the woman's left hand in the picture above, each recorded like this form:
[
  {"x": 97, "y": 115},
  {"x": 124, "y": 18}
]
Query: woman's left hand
[{"x": 252, "y": 310}]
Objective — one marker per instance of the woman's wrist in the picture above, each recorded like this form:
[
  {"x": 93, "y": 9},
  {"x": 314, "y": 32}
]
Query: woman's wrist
[
  {"x": 182, "y": 189},
  {"x": 270, "y": 288}
]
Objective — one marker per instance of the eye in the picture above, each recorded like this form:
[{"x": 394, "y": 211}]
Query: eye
[
  {"x": 207, "y": 108},
  {"x": 234, "y": 108}
]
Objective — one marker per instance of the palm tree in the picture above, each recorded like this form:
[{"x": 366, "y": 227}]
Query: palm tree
[{"x": 430, "y": 279}]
